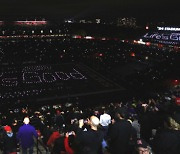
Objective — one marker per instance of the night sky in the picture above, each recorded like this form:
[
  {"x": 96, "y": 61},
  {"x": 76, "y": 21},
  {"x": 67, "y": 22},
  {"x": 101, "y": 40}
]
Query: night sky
[{"x": 62, "y": 9}]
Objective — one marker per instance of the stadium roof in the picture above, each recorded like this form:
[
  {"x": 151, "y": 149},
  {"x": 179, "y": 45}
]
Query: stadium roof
[{"x": 154, "y": 9}]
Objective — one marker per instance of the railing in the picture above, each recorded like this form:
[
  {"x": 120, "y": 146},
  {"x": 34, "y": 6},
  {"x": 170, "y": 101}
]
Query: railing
[{"x": 40, "y": 143}]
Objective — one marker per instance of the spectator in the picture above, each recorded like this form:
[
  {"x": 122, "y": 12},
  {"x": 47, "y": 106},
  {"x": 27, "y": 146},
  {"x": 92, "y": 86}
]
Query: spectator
[
  {"x": 142, "y": 147},
  {"x": 53, "y": 137},
  {"x": 105, "y": 120},
  {"x": 59, "y": 119},
  {"x": 68, "y": 142},
  {"x": 9, "y": 141},
  {"x": 90, "y": 141},
  {"x": 167, "y": 140},
  {"x": 136, "y": 125},
  {"x": 25, "y": 136},
  {"x": 58, "y": 147},
  {"x": 120, "y": 133},
  {"x": 46, "y": 133}
]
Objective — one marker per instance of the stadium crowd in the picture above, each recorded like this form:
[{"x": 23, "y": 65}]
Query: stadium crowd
[
  {"x": 130, "y": 126},
  {"x": 135, "y": 126}
]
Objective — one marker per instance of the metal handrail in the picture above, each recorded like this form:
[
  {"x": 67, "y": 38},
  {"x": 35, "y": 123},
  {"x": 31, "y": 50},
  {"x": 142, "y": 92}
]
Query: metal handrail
[{"x": 39, "y": 142}]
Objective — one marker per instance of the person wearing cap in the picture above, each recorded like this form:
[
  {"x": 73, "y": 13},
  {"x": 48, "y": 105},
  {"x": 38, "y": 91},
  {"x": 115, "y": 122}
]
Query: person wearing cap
[
  {"x": 9, "y": 141},
  {"x": 90, "y": 141},
  {"x": 25, "y": 136}
]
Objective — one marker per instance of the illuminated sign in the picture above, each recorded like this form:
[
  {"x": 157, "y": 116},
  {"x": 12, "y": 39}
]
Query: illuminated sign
[
  {"x": 51, "y": 81},
  {"x": 168, "y": 28},
  {"x": 31, "y": 23},
  {"x": 36, "y": 80},
  {"x": 163, "y": 36},
  {"x": 36, "y": 74}
]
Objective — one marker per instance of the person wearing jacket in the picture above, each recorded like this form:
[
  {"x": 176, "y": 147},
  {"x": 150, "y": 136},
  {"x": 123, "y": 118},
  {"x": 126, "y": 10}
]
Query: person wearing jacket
[
  {"x": 167, "y": 140},
  {"x": 25, "y": 136},
  {"x": 55, "y": 135},
  {"x": 90, "y": 141},
  {"x": 120, "y": 133},
  {"x": 68, "y": 142},
  {"x": 9, "y": 141}
]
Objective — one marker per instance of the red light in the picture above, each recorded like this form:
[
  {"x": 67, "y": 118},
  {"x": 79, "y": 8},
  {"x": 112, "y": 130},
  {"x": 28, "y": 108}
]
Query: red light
[
  {"x": 148, "y": 43},
  {"x": 133, "y": 54},
  {"x": 160, "y": 45},
  {"x": 176, "y": 82},
  {"x": 77, "y": 36}
]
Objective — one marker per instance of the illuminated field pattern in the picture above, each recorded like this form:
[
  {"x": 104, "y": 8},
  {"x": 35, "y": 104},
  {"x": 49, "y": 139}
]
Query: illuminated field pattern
[{"x": 50, "y": 81}]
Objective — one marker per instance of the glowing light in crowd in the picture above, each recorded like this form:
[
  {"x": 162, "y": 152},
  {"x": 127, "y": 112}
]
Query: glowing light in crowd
[
  {"x": 135, "y": 41},
  {"x": 176, "y": 82},
  {"x": 133, "y": 54},
  {"x": 77, "y": 36},
  {"x": 141, "y": 42},
  {"x": 89, "y": 37},
  {"x": 160, "y": 45},
  {"x": 100, "y": 55},
  {"x": 148, "y": 43}
]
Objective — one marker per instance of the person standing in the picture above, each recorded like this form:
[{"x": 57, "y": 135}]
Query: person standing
[
  {"x": 90, "y": 141},
  {"x": 167, "y": 139},
  {"x": 105, "y": 120},
  {"x": 120, "y": 133},
  {"x": 9, "y": 141},
  {"x": 25, "y": 136}
]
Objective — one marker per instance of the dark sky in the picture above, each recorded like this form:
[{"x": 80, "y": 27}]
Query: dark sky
[{"x": 145, "y": 9}]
